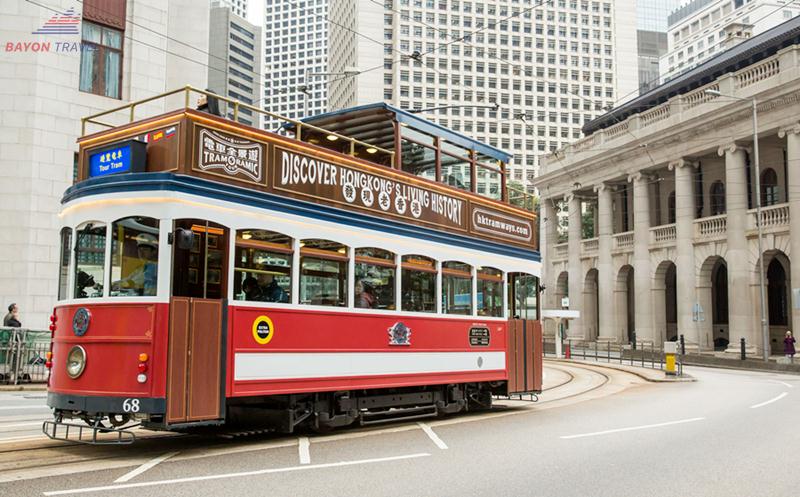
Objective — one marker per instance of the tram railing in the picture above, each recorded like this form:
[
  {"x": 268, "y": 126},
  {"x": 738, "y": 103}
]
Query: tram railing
[
  {"x": 187, "y": 91},
  {"x": 23, "y": 355}
]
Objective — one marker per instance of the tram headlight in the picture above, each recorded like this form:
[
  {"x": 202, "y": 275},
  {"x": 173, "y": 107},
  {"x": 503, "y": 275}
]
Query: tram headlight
[{"x": 76, "y": 361}]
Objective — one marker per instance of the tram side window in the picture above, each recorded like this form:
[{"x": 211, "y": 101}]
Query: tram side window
[
  {"x": 523, "y": 295},
  {"x": 90, "y": 258},
  {"x": 490, "y": 292},
  {"x": 134, "y": 257},
  {"x": 63, "y": 271},
  {"x": 456, "y": 288},
  {"x": 263, "y": 266},
  {"x": 375, "y": 277},
  {"x": 323, "y": 273},
  {"x": 418, "y": 284}
]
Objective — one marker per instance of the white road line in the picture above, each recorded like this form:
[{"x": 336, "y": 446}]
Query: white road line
[
  {"x": 770, "y": 401},
  {"x": 17, "y": 425},
  {"x": 632, "y": 428},
  {"x": 784, "y": 383},
  {"x": 144, "y": 467},
  {"x": 234, "y": 475},
  {"x": 13, "y": 408},
  {"x": 433, "y": 436},
  {"x": 305, "y": 453}
]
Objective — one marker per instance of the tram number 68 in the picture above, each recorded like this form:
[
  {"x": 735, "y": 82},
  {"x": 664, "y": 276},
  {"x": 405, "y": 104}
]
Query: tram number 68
[{"x": 130, "y": 405}]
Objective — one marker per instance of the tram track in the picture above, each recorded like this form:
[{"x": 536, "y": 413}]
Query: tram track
[{"x": 46, "y": 457}]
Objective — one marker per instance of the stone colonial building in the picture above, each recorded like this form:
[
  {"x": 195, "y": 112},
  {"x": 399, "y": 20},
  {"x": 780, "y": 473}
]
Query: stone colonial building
[{"x": 661, "y": 200}]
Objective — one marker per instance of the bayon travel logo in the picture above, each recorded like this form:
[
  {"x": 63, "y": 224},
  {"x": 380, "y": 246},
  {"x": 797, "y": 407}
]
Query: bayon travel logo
[{"x": 60, "y": 24}]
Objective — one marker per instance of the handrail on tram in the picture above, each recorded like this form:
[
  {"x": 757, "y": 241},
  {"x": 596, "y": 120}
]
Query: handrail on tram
[{"x": 187, "y": 91}]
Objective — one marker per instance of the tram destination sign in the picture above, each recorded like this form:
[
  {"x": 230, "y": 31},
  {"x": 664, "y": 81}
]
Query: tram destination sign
[
  {"x": 327, "y": 182},
  {"x": 129, "y": 156}
]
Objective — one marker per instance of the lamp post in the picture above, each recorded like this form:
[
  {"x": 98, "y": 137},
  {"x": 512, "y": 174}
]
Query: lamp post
[{"x": 762, "y": 270}]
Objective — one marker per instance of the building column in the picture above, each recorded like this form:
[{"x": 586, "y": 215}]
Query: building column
[
  {"x": 792, "y": 135},
  {"x": 741, "y": 306},
  {"x": 643, "y": 309},
  {"x": 548, "y": 237},
  {"x": 684, "y": 249},
  {"x": 605, "y": 273},
  {"x": 575, "y": 282}
]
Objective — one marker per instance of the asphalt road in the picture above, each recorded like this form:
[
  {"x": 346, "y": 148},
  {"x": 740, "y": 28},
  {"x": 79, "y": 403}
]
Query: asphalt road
[{"x": 728, "y": 434}]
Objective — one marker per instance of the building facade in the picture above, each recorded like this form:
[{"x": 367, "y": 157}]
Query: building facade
[
  {"x": 651, "y": 39},
  {"x": 99, "y": 58},
  {"x": 702, "y": 28},
  {"x": 235, "y": 62},
  {"x": 671, "y": 177},
  {"x": 238, "y": 7},
  {"x": 295, "y": 59},
  {"x": 521, "y": 76}
]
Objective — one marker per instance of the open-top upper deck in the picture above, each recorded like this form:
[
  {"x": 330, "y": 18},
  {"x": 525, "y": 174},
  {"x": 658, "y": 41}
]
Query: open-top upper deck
[{"x": 398, "y": 167}]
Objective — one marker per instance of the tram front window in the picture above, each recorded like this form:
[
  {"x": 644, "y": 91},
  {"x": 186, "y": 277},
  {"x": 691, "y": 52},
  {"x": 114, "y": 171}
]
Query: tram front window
[
  {"x": 418, "y": 284},
  {"x": 90, "y": 257},
  {"x": 134, "y": 257}
]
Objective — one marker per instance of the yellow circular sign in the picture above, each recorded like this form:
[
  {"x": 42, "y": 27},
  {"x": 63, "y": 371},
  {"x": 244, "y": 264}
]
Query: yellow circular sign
[{"x": 263, "y": 330}]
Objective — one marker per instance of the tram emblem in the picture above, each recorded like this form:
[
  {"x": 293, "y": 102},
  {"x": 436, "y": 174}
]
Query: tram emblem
[
  {"x": 235, "y": 157},
  {"x": 399, "y": 334},
  {"x": 263, "y": 330}
]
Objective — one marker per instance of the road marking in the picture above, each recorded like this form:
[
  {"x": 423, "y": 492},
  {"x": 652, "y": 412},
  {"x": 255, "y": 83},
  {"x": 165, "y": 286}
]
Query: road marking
[
  {"x": 16, "y": 425},
  {"x": 144, "y": 467},
  {"x": 784, "y": 383},
  {"x": 305, "y": 453},
  {"x": 234, "y": 475},
  {"x": 632, "y": 428},
  {"x": 433, "y": 436},
  {"x": 11, "y": 408},
  {"x": 770, "y": 401}
]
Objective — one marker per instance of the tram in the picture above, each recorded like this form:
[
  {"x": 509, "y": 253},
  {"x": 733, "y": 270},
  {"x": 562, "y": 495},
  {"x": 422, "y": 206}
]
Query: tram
[{"x": 356, "y": 267}]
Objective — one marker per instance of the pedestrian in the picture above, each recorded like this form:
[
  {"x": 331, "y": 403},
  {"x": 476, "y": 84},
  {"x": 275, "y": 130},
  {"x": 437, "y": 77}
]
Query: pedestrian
[
  {"x": 788, "y": 346},
  {"x": 12, "y": 318}
]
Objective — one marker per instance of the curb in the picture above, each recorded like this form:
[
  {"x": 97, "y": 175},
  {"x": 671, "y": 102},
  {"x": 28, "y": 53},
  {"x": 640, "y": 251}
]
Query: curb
[
  {"x": 23, "y": 388},
  {"x": 634, "y": 370}
]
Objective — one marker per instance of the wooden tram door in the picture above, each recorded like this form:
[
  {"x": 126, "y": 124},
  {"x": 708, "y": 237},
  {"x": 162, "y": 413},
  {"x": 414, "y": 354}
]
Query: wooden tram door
[{"x": 195, "y": 371}]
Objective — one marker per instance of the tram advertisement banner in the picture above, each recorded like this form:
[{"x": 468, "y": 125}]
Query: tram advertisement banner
[
  {"x": 230, "y": 156},
  {"x": 324, "y": 181}
]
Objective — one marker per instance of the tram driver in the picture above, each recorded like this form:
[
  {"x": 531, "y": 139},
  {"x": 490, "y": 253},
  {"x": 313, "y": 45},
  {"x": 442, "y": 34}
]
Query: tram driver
[{"x": 142, "y": 280}]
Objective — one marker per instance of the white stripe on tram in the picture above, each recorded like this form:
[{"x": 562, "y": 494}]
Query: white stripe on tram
[{"x": 273, "y": 366}]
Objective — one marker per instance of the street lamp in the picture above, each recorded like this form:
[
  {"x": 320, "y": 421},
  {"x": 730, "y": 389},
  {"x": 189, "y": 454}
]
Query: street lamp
[{"x": 761, "y": 272}]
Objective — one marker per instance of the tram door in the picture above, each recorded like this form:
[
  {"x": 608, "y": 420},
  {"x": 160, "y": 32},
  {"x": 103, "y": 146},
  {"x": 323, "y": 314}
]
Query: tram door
[{"x": 195, "y": 382}]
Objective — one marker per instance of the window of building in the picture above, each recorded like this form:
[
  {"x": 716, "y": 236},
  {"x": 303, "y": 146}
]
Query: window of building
[
  {"x": 717, "y": 198},
  {"x": 134, "y": 257},
  {"x": 769, "y": 187},
  {"x": 374, "y": 279},
  {"x": 418, "y": 284},
  {"x": 262, "y": 266},
  {"x": 323, "y": 273},
  {"x": 456, "y": 288},
  {"x": 90, "y": 257},
  {"x": 101, "y": 60}
]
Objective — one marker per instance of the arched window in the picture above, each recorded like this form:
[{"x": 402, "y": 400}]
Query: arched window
[
  {"x": 323, "y": 273},
  {"x": 418, "y": 284},
  {"x": 717, "y": 197},
  {"x": 375, "y": 278},
  {"x": 490, "y": 292},
  {"x": 90, "y": 259},
  {"x": 134, "y": 257},
  {"x": 456, "y": 288},
  {"x": 262, "y": 266},
  {"x": 769, "y": 187},
  {"x": 671, "y": 208}
]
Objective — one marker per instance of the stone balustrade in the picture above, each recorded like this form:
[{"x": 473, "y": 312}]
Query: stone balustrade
[
  {"x": 772, "y": 217},
  {"x": 623, "y": 241},
  {"x": 759, "y": 72},
  {"x": 560, "y": 251},
  {"x": 663, "y": 234},
  {"x": 590, "y": 246},
  {"x": 712, "y": 227}
]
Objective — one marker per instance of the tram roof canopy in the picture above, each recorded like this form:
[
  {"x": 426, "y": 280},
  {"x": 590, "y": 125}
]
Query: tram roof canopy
[{"x": 374, "y": 124}]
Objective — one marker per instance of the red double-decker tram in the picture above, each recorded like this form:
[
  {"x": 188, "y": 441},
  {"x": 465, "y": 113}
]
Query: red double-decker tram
[{"x": 368, "y": 268}]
